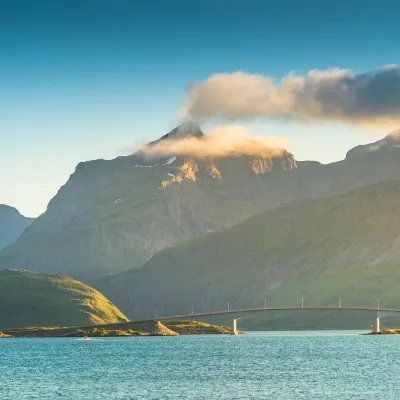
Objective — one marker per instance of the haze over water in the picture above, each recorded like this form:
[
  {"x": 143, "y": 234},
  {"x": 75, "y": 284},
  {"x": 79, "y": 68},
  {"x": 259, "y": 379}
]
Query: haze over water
[{"x": 281, "y": 366}]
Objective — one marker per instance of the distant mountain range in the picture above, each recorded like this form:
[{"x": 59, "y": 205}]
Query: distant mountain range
[
  {"x": 119, "y": 215},
  {"x": 115, "y": 215},
  {"x": 12, "y": 224}
]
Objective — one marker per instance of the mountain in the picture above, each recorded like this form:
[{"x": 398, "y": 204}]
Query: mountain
[
  {"x": 12, "y": 224},
  {"x": 114, "y": 215},
  {"x": 31, "y": 299},
  {"x": 346, "y": 246}
]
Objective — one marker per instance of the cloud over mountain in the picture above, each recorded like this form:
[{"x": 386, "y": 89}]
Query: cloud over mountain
[
  {"x": 222, "y": 141},
  {"x": 370, "y": 99}
]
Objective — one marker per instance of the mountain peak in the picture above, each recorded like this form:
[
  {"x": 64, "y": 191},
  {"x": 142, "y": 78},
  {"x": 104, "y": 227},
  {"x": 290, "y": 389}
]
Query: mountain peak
[
  {"x": 395, "y": 135},
  {"x": 12, "y": 224},
  {"x": 189, "y": 128},
  {"x": 389, "y": 142},
  {"x": 5, "y": 209}
]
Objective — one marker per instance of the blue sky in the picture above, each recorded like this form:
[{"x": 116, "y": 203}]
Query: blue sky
[{"x": 80, "y": 80}]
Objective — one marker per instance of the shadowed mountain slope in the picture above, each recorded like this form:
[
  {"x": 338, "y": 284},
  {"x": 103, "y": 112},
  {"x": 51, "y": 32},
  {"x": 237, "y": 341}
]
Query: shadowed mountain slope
[
  {"x": 114, "y": 215},
  {"x": 346, "y": 246},
  {"x": 12, "y": 224}
]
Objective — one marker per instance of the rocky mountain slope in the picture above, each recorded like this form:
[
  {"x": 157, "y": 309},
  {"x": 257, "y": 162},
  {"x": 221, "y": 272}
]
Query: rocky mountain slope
[
  {"x": 115, "y": 215},
  {"x": 30, "y": 299},
  {"x": 346, "y": 246},
  {"x": 12, "y": 224}
]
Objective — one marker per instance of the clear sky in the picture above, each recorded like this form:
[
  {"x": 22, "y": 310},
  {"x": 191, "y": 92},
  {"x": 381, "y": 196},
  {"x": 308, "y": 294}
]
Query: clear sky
[{"x": 80, "y": 80}]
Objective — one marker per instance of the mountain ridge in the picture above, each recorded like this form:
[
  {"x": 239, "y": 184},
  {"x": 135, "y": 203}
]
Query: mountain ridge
[
  {"x": 125, "y": 197},
  {"x": 113, "y": 215},
  {"x": 12, "y": 224}
]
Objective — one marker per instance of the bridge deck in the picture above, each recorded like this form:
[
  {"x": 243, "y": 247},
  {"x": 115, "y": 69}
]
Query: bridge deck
[{"x": 295, "y": 308}]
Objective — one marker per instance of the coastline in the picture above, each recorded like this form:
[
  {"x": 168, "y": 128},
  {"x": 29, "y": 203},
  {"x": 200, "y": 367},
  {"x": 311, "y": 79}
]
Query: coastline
[
  {"x": 144, "y": 328},
  {"x": 385, "y": 331}
]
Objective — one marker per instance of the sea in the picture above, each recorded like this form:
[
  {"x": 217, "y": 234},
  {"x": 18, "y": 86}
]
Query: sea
[{"x": 257, "y": 365}]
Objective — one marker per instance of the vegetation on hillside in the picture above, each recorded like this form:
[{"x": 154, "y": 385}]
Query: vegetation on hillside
[
  {"x": 31, "y": 299},
  {"x": 321, "y": 250}
]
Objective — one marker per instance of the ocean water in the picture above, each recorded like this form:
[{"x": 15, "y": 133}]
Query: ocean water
[{"x": 317, "y": 365}]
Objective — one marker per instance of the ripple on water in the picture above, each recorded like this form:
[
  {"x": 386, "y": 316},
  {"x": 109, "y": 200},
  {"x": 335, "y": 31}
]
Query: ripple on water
[{"x": 254, "y": 366}]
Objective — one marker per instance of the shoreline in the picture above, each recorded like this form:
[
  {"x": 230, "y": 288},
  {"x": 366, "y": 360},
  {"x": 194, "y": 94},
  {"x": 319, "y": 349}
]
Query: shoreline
[
  {"x": 385, "y": 331},
  {"x": 144, "y": 328}
]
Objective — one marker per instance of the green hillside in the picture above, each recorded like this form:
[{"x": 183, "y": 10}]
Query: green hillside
[
  {"x": 30, "y": 299},
  {"x": 346, "y": 246}
]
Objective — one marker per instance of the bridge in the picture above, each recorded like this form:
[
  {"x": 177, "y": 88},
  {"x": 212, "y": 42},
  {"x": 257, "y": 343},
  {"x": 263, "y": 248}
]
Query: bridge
[{"x": 380, "y": 313}]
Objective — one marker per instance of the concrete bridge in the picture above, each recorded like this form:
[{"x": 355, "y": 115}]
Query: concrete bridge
[{"x": 381, "y": 312}]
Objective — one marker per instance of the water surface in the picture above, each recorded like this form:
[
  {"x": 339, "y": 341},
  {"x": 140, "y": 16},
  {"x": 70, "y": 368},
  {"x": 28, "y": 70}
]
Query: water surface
[{"x": 274, "y": 365}]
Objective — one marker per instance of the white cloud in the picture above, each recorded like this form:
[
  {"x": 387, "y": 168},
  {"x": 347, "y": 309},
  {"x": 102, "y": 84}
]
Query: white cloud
[
  {"x": 369, "y": 99},
  {"x": 222, "y": 141}
]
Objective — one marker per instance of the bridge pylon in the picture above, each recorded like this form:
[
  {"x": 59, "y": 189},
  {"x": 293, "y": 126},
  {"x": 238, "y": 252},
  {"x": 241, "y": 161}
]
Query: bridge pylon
[
  {"x": 378, "y": 324},
  {"x": 234, "y": 327}
]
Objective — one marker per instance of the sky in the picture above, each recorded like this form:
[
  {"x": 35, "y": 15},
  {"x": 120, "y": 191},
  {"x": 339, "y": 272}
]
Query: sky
[{"x": 81, "y": 80}]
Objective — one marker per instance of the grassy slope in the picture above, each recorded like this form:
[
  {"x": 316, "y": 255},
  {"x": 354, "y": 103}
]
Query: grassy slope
[
  {"x": 30, "y": 299},
  {"x": 345, "y": 246}
]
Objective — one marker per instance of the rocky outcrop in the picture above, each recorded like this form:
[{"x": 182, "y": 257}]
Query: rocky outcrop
[{"x": 197, "y": 328}]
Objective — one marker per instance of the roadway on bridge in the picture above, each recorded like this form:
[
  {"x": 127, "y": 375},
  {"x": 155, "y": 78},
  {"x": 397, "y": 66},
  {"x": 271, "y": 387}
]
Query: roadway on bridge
[{"x": 266, "y": 309}]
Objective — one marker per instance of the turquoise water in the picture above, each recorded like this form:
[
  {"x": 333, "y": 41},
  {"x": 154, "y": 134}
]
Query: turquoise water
[{"x": 252, "y": 366}]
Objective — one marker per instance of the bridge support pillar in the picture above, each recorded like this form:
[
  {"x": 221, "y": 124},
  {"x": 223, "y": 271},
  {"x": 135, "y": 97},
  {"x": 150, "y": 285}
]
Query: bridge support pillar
[
  {"x": 234, "y": 329},
  {"x": 378, "y": 324}
]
